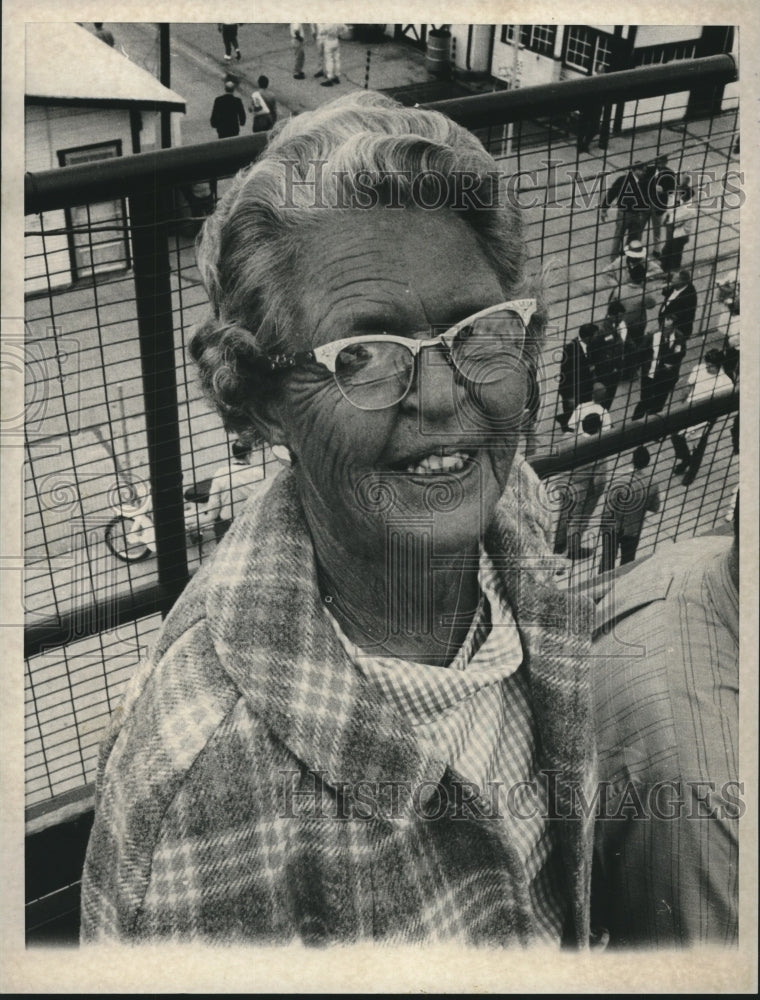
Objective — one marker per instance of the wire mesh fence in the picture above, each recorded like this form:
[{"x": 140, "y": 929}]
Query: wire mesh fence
[{"x": 92, "y": 536}]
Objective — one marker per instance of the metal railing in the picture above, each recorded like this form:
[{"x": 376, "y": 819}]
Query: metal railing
[{"x": 129, "y": 410}]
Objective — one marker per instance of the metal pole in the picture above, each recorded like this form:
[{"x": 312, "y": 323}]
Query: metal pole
[
  {"x": 514, "y": 82},
  {"x": 150, "y": 244},
  {"x": 366, "y": 70},
  {"x": 164, "y": 62}
]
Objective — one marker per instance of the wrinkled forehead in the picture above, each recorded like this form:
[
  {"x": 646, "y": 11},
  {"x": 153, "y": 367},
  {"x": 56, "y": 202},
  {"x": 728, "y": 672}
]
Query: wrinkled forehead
[{"x": 388, "y": 270}]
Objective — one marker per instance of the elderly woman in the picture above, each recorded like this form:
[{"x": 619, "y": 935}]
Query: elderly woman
[{"x": 367, "y": 717}]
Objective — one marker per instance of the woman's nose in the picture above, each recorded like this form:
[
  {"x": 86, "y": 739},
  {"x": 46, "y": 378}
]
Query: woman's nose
[{"x": 435, "y": 393}]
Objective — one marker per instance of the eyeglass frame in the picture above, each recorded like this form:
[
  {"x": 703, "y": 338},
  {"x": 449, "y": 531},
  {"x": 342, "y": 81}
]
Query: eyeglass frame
[{"x": 327, "y": 354}]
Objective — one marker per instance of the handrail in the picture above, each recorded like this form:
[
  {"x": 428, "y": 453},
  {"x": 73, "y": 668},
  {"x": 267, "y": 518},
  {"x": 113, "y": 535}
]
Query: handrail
[
  {"x": 66, "y": 186},
  {"x": 90, "y": 619},
  {"x": 61, "y": 629},
  {"x": 548, "y": 98},
  {"x": 656, "y": 427}
]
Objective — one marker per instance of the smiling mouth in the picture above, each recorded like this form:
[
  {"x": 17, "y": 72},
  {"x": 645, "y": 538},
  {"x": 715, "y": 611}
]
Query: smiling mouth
[{"x": 436, "y": 464}]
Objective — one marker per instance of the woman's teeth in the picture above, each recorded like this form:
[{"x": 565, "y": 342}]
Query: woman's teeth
[{"x": 432, "y": 465}]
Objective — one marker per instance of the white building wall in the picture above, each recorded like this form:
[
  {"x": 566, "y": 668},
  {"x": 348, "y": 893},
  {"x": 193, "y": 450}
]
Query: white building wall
[
  {"x": 49, "y": 129},
  {"x": 479, "y": 36},
  {"x": 661, "y": 34},
  {"x": 530, "y": 69}
]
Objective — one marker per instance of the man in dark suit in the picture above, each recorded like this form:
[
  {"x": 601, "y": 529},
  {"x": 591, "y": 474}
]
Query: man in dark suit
[
  {"x": 659, "y": 377},
  {"x": 228, "y": 113},
  {"x": 606, "y": 351},
  {"x": 680, "y": 302},
  {"x": 576, "y": 372}
]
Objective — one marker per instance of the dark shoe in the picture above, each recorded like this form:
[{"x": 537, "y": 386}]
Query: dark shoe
[
  {"x": 336, "y": 79},
  {"x": 326, "y": 83},
  {"x": 638, "y": 411},
  {"x": 320, "y": 72},
  {"x": 681, "y": 468},
  {"x": 689, "y": 478},
  {"x": 299, "y": 76},
  {"x": 237, "y": 54}
]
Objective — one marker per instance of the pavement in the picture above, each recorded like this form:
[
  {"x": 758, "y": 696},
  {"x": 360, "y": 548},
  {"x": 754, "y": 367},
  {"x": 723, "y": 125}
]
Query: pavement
[{"x": 198, "y": 68}]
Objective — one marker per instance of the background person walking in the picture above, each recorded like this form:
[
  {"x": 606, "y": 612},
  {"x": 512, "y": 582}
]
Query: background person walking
[
  {"x": 263, "y": 106},
  {"x": 580, "y": 490},
  {"x": 658, "y": 183},
  {"x": 297, "y": 42},
  {"x": 576, "y": 374},
  {"x": 705, "y": 380},
  {"x": 328, "y": 40},
  {"x": 625, "y": 507},
  {"x": 659, "y": 378},
  {"x": 230, "y": 39},
  {"x": 627, "y": 196},
  {"x": 680, "y": 302},
  {"x": 228, "y": 113},
  {"x": 607, "y": 350},
  {"x": 679, "y": 221}
]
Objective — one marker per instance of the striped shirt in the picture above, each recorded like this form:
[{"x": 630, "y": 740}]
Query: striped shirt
[
  {"x": 477, "y": 714},
  {"x": 667, "y": 712}
]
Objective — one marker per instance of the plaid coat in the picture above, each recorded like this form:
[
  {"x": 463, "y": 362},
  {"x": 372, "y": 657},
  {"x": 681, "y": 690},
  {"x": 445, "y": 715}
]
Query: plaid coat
[{"x": 232, "y": 785}]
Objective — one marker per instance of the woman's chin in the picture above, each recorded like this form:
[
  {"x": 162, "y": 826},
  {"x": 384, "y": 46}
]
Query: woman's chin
[{"x": 451, "y": 509}]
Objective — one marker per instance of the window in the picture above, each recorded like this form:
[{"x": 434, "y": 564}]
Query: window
[
  {"x": 650, "y": 55},
  {"x": 588, "y": 50},
  {"x": 97, "y": 232},
  {"x": 538, "y": 38}
]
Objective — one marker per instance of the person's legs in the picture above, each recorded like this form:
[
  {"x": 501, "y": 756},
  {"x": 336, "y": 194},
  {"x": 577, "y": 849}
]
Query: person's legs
[
  {"x": 645, "y": 399},
  {"x": 677, "y": 251},
  {"x": 568, "y": 405},
  {"x": 331, "y": 61},
  {"x": 610, "y": 388},
  {"x": 683, "y": 452},
  {"x": 656, "y": 220},
  {"x": 321, "y": 57},
  {"x": 227, "y": 38},
  {"x": 588, "y": 492},
  {"x": 635, "y": 222},
  {"x": 617, "y": 236},
  {"x": 697, "y": 456},
  {"x": 628, "y": 546},
  {"x": 298, "y": 59}
]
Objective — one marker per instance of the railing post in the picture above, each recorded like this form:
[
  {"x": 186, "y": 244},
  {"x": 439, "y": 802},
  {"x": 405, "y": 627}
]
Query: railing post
[
  {"x": 164, "y": 63},
  {"x": 150, "y": 246}
]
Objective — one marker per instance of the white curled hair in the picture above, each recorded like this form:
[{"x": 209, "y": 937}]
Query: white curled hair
[{"x": 248, "y": 250}]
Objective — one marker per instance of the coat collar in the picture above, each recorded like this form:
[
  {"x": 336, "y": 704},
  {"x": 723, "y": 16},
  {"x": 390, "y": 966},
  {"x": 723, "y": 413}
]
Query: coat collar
[{"x": 269, "y": 629}]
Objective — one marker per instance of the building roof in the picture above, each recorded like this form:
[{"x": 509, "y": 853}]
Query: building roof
[{"x": 66, "y": 64}]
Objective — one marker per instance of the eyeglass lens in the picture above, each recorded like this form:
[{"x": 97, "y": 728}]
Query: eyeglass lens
[{"x": 377, "y": 374}]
